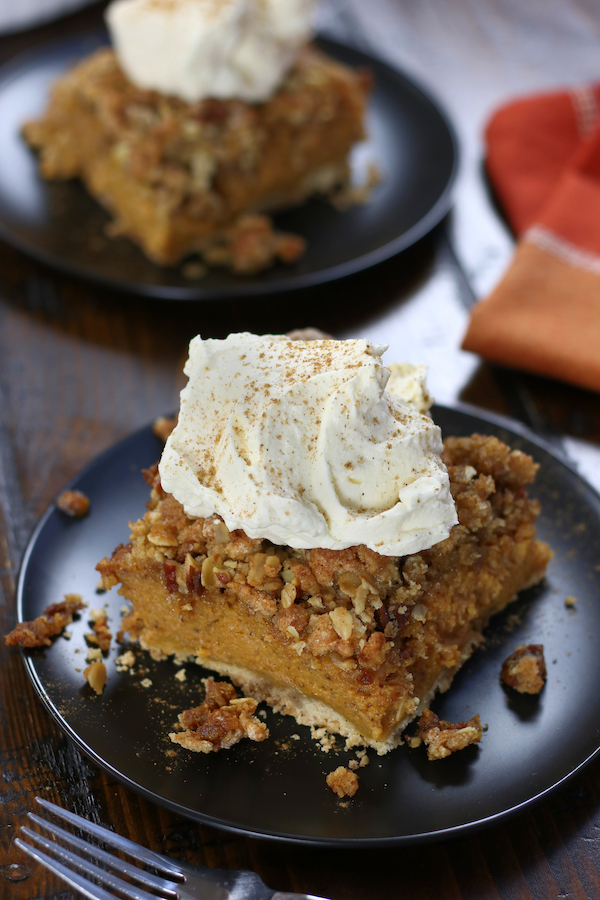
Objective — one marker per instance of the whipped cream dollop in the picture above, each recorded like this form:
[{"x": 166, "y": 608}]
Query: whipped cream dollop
[
  {"x": 195, "y": 49},
  {"x": 300, "y": 443}
]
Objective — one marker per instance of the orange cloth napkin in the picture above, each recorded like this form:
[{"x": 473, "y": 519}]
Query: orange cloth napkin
[{"x": 543, "y": 159}]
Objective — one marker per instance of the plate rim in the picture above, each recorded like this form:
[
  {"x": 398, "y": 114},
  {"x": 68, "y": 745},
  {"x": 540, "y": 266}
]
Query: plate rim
[
  {"x": 247, "y": 290},
  {"x": 453, "y": 831}
]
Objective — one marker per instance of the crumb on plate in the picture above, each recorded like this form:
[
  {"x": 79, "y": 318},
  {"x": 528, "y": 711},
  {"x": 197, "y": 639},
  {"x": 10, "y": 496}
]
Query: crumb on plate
[
  {"x": 343, "y": 782},
  {"x": 101, "y": 635},
  {"x": 125, "y": 661},
  {"x": 53, "y": 620},
  {"x": 73, "y": 503},
  {"x": 95, "y": 675},
  {"x": 444, "y": 738},
  {"x": 525, "y": 669},
  {"x": 220, "y": 721}
]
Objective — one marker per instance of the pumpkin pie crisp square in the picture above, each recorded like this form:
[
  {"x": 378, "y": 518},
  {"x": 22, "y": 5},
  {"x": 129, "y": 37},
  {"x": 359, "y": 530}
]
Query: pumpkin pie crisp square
[{"x": 347, "y": 638}]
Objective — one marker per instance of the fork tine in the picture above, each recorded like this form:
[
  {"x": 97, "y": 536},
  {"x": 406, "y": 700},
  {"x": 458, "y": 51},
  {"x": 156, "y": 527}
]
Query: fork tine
[
  {"x": 114, "y": 840},
  {"x": 119, "y": 865},
  {"x": 73, "y": 879},
  {"x": 113, "y": 881}
]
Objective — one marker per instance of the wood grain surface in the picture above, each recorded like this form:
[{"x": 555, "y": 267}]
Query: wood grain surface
[{"x": 81, "y": 367}]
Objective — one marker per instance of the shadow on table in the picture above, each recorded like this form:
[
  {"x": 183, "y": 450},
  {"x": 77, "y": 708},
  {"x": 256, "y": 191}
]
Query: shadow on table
[{"x": 336, "y": 307}]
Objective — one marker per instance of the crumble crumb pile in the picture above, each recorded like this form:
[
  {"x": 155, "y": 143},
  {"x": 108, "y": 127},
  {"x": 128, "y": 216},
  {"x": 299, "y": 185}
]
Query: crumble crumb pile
[
  {"x": 343, "y": 782},
  {"x": 53, "y": 620},
  {"x": 251, "y": 245},
  {"x": 444, "y": 738},
  {"x": 360, "y": 762},
  {"x": 220, "y": 721},
  {"x": 125, "y": 661},
  {"x": 101, "y": 635},
  {"x": 74, "y": 503},
  {"x": 525, "y": 669}
]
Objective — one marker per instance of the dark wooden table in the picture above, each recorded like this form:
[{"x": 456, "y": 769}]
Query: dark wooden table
[{"x": 81, "y": 367}]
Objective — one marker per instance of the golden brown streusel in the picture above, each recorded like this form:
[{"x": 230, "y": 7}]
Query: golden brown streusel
[
  {"x": 343, "y": 782},
  {"x": 221, "y": 720},
  {"x": 525, "y": 669},
  {"x": 53, "y": 620},
  {"x": 101, "y": 635},
  {"x": 74, "y": 503},
  {"x": 251, "y": 245},
  {"x": 444, "y": 738}
]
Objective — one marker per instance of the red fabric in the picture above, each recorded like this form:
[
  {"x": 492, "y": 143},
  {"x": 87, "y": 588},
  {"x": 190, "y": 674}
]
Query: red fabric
[
  {"x": 572, "y": 208},
  {"x": 543, "y": 159},
  {"x": 528, "y": 143}
]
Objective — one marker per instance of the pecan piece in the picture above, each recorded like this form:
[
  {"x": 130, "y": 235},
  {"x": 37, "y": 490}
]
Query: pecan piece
[{"x": 170, "y": 570}]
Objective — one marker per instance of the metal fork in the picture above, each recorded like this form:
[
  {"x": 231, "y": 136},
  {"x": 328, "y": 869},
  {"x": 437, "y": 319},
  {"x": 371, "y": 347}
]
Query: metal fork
[{"x": 174, "y": 881}]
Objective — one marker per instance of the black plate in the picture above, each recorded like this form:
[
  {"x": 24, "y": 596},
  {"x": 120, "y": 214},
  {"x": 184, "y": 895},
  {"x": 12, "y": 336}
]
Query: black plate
[
  {"x": 59, "y": 224},
  {"x": 277, "y": 789}
]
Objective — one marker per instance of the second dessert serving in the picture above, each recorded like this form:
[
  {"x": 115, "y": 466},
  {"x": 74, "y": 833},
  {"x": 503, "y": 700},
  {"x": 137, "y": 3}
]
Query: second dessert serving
[
  {"x": 201, "y": 115},
  {"x": 311, "y": 537}
]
